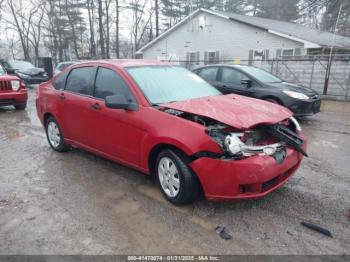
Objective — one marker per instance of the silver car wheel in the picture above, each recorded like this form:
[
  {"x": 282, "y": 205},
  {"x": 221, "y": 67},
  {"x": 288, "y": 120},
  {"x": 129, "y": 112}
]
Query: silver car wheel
[
  {"x": 169, "y": 177},
  {"x": 54, "y": 134}
]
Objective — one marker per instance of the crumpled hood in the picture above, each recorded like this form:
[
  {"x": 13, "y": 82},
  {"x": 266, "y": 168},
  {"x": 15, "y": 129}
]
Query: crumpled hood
[
  {"x": 234, "y": 110},
  {"x": 31, "y": 71}
]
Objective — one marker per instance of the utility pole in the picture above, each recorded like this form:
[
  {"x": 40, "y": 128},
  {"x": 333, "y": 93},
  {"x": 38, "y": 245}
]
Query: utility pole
[
  {"x": 157, "y": 17},
  {"x": 329, "y": 64}
]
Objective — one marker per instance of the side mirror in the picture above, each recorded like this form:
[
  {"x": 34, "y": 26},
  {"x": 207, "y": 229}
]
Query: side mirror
[
  {"x": 10, "y": 71},
  {"x": 247, "y": 82},
  {"x": 120, "y": 102}
]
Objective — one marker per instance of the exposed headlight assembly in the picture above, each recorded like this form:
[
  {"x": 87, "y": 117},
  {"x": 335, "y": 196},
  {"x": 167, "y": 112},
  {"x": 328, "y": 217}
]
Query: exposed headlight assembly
[
  {"x": 235, "y": 147},
  {"x": 15, "y": 85},
  {"x": 296, "y": 95}
]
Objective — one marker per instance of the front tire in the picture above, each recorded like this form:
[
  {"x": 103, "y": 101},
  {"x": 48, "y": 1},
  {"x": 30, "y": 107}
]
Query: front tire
[
  {"x": 21, "y": 106},
  {"x": 175, "y": 179},
  {"x": 55, "y": 136}
]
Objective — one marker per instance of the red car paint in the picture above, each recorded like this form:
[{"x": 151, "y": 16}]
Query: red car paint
[
  {"x": 237, "y": 111},
  {"x": 129, "y": 137},
  {"x": 10, "y": 97}
]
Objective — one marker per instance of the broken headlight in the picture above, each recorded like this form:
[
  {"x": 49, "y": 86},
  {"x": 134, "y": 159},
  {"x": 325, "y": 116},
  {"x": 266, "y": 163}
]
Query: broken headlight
[{"x": 234, "y": 146}]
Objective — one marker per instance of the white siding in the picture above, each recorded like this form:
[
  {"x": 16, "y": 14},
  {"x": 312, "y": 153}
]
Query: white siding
[{"x": 231, "y": 38}]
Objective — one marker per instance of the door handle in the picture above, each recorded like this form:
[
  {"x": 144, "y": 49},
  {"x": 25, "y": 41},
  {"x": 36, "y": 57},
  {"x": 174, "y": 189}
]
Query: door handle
[
  {"x": 96, "y": 106},
  {"x": 61, "y": 96}
]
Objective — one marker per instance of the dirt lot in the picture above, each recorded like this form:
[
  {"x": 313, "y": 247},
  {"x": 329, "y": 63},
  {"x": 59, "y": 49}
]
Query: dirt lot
[{"x": 77, "y": 203}]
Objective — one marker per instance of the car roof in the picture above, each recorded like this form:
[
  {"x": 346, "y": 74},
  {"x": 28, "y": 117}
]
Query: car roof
[
  {"x": 122, "y": 63},
  {"x": 223, "y": 65}
]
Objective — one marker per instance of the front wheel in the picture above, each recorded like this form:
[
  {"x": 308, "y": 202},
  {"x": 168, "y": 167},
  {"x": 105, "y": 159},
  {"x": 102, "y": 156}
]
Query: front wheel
[
  {"x": 175, "y": 179},
  {"x": 55, "y": 136}
]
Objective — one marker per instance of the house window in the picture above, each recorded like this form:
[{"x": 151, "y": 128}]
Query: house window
[
  {"x": 288, "y": 52},
  {"x": 211, "y": 57},
  {"x": 193, "y": 57}
]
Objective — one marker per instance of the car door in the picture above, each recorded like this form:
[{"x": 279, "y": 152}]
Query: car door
[
  {"x": 76, "y": 105},
  {"x": 209, "y": 74},
  {"x": 230, "y": 82},
  {"x": 117, "y": 132}
]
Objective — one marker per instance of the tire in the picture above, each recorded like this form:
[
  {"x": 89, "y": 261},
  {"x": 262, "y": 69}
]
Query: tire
[
  {"x": 176, "y": 177},
  {"x": 21, "y": 106},
  {"x": 55, "y": 136}
]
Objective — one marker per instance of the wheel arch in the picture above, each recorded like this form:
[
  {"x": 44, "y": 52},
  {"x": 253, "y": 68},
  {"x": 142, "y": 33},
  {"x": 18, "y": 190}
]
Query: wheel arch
[
  {"x": 280, "y": 102},
  {"x": 152, "y": 157}
]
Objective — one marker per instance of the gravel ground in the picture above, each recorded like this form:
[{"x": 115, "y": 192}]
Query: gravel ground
[{"x": 77, "y": 203}]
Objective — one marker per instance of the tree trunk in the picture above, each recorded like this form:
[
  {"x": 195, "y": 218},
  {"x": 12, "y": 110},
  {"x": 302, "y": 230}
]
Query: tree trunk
[
  {"x": 100, "y": 24},
  {"x": 117, "y": 29}
]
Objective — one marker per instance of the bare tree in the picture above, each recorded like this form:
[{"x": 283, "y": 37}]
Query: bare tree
[
  {"x": 117, "y": 49},
  {"x": 100, "y": 28},
  {"x": 91, "y": 8},
  {"x": 141, "y": 19},
  {"x": 36, "y": 29},
  {"x": 21, "y": 23}
]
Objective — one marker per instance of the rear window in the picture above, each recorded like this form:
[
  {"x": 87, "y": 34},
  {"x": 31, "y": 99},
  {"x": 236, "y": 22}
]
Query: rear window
[
  {"x": 79, "y": 80},
  {"x": 60, "y": 81},
  {"x": 2, "y": 71}
]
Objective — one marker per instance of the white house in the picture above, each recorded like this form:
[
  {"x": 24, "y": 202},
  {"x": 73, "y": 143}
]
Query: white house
[{"x": 207, "y": 36}]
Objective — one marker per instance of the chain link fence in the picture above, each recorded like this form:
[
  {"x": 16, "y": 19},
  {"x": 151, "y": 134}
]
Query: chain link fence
[{"x": 308, "y": 71}]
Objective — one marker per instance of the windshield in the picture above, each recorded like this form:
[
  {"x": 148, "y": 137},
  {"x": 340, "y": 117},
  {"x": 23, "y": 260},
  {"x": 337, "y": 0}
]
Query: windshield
[
  {"x": 2, "y": 71},
  {"x": 261, "y": 75},
  {"x": 21, "y": 65},
  {"x": 164, "y": 84}
]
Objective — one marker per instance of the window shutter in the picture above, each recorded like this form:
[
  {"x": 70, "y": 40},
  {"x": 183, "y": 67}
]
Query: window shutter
[
  {"x": 217, "y": 56},
  {"x": 197, "y": 57},
  {"x": 278, "y": 52},
  {"x": 297, "y": 51},
  {"x": 251, "y": 53},
  {"x": 205, "y": 57},
  {"x": 267, "y": 51}
]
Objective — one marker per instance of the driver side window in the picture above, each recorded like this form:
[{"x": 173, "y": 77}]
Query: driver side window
[
  {"x": 109, "y": 83},
  {"x": 232, "y": 76}
]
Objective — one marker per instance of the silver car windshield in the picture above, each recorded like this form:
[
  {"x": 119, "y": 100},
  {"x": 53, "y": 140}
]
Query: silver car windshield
[
  {"x": 164, "y": 84},
  {"x": 260, "y": 74}
]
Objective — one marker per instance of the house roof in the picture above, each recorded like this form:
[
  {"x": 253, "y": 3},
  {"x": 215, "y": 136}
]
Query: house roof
[{"x": 309, "y": 36}]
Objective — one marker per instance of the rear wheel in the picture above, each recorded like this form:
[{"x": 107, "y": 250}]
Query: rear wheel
[
  {"x": 21, "y": 106},
  {"x": 175, "y": 179},
  {"x": 55, "y": 136}
]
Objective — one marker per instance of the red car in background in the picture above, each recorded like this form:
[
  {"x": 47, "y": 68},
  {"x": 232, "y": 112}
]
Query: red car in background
[
  {"x": 165, "y": 121},
  {"x": 13, "y": 92}
]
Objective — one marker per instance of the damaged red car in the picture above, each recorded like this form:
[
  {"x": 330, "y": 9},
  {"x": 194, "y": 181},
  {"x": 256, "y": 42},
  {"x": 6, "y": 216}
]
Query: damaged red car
[
  {"x": 13, "y": 92},
  {"x": 165, "y": 121}
]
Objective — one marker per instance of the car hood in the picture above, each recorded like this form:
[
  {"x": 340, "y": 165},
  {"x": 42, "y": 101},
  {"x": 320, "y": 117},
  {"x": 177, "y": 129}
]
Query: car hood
[
  {"x": 294, "y": 87},
  {"x": 31, "y": 71},
  {"x": 234, "y": 110}
]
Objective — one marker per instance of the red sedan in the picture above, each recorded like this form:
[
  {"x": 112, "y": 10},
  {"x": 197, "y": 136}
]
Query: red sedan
[
  {"x": 13, "y": 92},
  {"x": 165, "y": 121}
]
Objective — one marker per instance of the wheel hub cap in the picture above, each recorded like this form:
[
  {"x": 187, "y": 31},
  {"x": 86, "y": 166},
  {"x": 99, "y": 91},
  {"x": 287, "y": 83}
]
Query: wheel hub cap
[
  {"x": 54, "y": 134},
  {"x": 169, "y": 177}
]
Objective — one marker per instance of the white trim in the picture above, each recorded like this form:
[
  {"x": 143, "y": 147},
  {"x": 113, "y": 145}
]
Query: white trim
[
  {"x": 307, "y": 44},
  {"x": 177, "y": 25},
  {"x": 168, "y": 31}
]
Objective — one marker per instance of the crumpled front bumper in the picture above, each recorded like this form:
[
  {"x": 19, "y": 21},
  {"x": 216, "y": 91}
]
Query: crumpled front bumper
[{"x": 249, "y": 178}]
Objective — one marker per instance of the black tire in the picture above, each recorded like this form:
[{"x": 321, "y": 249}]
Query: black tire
[
  {"x": 61, "y": 146},
  {"x": 189, "y": 187},
  {"x": 21, "y": 106}
]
